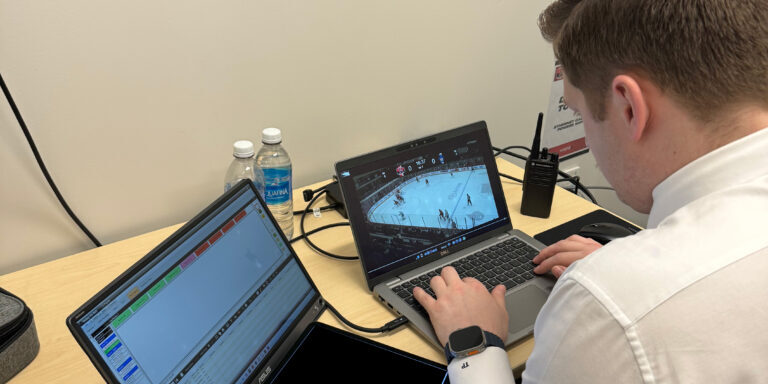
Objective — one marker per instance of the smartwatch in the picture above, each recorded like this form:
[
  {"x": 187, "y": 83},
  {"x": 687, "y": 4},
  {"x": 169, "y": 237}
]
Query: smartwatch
[{"x": 470, "y": 341}]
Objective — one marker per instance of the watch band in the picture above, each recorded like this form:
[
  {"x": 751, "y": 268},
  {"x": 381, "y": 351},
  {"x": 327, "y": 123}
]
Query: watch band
[{"x": 491, "y": 340}]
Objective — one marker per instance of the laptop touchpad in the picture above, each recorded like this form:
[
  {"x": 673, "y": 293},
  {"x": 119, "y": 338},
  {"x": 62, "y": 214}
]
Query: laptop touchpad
[{"x": 524, "y": 306}]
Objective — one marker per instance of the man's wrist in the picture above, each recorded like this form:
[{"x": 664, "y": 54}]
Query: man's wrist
[{"x": 470, "y": 341}]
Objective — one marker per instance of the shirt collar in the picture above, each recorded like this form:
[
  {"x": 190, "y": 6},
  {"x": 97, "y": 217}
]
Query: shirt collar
[{"x": 734, "y": 163}]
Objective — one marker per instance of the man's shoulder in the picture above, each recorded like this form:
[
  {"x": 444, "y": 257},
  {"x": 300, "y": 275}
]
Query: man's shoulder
[
  {"x": 635, "y": 275},
  {"x": 627, "y": 276}
]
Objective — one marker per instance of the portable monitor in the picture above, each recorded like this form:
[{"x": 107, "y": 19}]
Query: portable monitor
[{"x": 223, "y": 300}]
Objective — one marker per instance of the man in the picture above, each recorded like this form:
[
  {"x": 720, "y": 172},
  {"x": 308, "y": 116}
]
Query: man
[{"x": 674, "y": 98}]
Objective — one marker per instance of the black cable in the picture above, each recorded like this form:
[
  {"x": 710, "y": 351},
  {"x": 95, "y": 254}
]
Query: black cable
[
  {"x": 42, "y": 165},
  {"x": 392, "y": 325},
  {"x": 324, "y": 227},
  {"x": 600, "y": 187},
  {"x": 578, "y": 185},
  {"x": 506, "y": 149},
  {"x": 322, "y": 209},
  {"x": 510, "y": 177},
  {"x": 304, "y": 233}
]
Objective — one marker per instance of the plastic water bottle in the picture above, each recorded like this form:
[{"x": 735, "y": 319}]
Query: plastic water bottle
[
  {"x": 243, "y": 166},
  {"x": 276, "y": 165}
]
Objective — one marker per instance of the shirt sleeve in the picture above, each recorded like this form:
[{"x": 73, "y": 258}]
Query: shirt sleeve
[
  {"x": 488, "y": 367},
  {"x": 579, "y": 341}
]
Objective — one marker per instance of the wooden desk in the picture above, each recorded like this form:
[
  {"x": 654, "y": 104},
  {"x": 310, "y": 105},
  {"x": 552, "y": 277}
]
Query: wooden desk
[{"x": 55, "y": 289}]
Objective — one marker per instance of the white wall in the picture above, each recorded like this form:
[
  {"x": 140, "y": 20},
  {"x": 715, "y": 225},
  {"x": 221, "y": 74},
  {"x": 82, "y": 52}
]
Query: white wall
[{"x": 135, "y": 104}]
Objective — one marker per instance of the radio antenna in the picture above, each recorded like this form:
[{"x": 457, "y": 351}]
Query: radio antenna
[{"x": 537, "y": 138}]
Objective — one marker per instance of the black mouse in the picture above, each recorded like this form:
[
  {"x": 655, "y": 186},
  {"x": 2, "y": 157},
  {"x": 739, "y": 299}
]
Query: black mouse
[{"x": 605, "y": 232}]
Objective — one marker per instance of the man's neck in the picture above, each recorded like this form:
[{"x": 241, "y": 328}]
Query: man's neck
[
  {"x": 680, "y": 139},
  {"x": 735, "y": 124}
]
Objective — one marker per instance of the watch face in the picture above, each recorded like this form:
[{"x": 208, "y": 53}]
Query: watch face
[{"x": 467, "y": 338}]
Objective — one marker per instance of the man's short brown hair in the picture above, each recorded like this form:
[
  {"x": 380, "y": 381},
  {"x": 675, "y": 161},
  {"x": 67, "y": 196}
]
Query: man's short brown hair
[{"x": 707, "y": 54}]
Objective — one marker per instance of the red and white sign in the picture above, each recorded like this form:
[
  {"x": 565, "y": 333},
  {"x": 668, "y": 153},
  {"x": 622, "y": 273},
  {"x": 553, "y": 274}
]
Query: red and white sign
[{"x": 563, "y": 132}]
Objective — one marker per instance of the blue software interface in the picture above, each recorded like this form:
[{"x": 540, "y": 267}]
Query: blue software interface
[{"x": 209, "y": 309}]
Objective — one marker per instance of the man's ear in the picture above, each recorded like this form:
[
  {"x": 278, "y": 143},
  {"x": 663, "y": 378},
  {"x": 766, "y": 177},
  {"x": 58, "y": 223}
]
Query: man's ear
[{"x": 631, "y": 102}]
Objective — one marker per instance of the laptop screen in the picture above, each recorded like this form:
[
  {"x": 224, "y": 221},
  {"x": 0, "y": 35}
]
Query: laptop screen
[
  {"x": 430, "y": 196},
  {"x": 207, "y": 307}
]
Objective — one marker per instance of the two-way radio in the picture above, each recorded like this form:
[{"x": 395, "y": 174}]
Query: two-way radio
[{"x": 540, "y": 178}]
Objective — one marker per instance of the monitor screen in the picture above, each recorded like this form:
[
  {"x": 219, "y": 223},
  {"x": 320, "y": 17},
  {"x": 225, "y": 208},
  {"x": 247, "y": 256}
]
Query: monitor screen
[
  {"x": 410, "y": 204},
  {"x": 209, "y": 307}
]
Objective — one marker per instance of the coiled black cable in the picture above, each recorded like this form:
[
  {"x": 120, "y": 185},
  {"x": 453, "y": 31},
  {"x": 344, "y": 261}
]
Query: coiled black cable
[{"x": 305, "y": 235}]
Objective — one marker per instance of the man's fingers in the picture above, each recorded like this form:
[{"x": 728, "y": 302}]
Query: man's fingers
[
  {"x": 438, "y": 285},
  {"x": 557, "y": 271},
  {"x": 450, "y": 275},
  {"x": 562, "y": 258},
  {"x": 553, "y": 249},
  {"x": 423, "y": 298},
  {"x": 473, "y": 281},
  {"x": 498, "y": 295},
  {"x": 573, "y": 242}
]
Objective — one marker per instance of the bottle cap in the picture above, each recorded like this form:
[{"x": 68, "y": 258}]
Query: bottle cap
[
  {"x": 243, "y": 149},
  {"x": 271, "y": 136}
]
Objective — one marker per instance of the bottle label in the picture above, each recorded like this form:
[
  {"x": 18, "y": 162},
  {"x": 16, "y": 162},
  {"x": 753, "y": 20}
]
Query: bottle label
[{"x": 277, "y": 185}]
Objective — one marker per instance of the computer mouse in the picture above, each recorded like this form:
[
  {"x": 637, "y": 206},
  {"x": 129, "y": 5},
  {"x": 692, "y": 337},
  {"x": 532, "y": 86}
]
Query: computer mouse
[{"x": 603, "y": 233}]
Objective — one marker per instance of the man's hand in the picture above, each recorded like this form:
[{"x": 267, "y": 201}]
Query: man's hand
[
  {"x": 462, "y": 303},
  {"x": 558, "y": 256}
]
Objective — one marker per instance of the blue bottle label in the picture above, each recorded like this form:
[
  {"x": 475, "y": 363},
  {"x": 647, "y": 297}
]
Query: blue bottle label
[{"x": 277, "y": 183}]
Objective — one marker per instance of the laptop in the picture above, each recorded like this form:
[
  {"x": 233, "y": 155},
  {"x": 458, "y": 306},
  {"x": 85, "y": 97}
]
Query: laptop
[
  {"x": 417, "y": 207},
  {"x": 225, "y": 300}
]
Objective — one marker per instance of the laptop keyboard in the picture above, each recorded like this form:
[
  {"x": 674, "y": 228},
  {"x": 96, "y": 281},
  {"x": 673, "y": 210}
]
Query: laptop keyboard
[{"x": 507, "y": 263}]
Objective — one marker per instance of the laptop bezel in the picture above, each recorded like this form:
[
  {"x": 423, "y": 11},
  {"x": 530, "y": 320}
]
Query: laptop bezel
[
  {"x": 312, "y": 311},
  {"x": 493, "y": 174}
]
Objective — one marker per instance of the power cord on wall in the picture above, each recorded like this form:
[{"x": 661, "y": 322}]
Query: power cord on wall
[{"x": 40, "y": 163}]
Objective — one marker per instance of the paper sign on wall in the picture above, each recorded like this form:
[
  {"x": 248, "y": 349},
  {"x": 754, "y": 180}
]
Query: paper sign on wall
[{"x": 563, "y": 133}]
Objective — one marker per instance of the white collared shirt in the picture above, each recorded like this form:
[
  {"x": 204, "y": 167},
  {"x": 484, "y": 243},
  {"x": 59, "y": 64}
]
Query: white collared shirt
[{"x": 684, "y": 301}]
